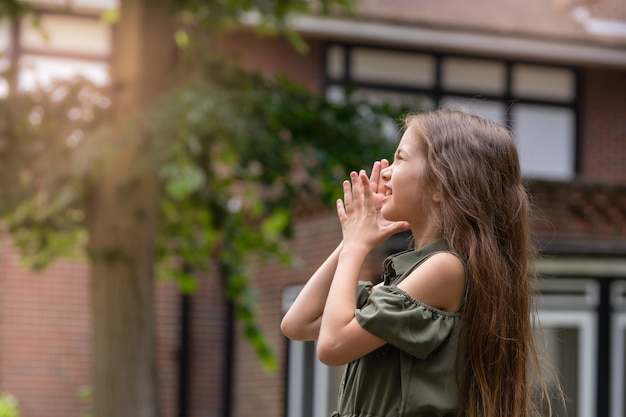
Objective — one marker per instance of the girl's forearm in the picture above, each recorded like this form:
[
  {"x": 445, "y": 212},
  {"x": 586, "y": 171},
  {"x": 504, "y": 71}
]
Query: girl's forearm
[
  {"x": 341, "y": 299},
  {"x": 302, "y": 320}
]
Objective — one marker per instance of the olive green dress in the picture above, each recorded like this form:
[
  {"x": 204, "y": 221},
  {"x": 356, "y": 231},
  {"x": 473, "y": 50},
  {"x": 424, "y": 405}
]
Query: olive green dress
[{"x": 414, "y": 374}]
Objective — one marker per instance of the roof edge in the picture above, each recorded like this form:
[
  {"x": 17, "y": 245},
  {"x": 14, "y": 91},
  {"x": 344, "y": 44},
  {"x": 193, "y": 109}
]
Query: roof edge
[{"x": 458, "y": 40}]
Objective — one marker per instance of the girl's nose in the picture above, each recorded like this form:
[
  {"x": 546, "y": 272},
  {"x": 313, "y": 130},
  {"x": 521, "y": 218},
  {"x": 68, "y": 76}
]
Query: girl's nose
[{"x": 385, "y": 174}]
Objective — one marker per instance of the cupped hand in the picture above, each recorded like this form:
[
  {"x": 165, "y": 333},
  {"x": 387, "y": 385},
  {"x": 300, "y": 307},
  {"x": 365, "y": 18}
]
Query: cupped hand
[
  {"x": 359, "y": 211},
  {"x": 378, "y": 192}
]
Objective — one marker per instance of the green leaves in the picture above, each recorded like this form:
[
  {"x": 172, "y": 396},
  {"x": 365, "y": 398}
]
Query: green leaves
[
  {"x": 8, "y": 406},
  {"x": 49, "y": 151},
  {"x": 181, "y": 181},
  {"x": 237, "y": 155}
]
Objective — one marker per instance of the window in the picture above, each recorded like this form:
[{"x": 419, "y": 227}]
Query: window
[
  {"x": 618, "y": 350},
  {"x": 473, "y": 75},
  {"x": 42, "y": 70},
  {"x": 537, "y": 101},
  {"x": 568, "y": 321},
  {"x": 5, "y": 41},
  {"x": 60, "y": 45},
  {"x": 544, "y": 140},
  {"x": 312, "y": 387},
  {"x": 375, "y": 66},
  {"x": 66, "y": 33}
]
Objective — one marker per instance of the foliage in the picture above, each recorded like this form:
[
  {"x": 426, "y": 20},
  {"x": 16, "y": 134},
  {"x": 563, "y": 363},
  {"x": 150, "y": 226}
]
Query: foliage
[
  {"x": 238, "y": 156},
  {"x": 13, "y": 8},
  {"x": 253, "y": 152},
  {"x": 45, "y": 171},
  {"x": 84, "y": 396},
  {"x": 8, "y": 406},
  {"x": 268, "y": 17},
  {"x": 235, "y": 154}
]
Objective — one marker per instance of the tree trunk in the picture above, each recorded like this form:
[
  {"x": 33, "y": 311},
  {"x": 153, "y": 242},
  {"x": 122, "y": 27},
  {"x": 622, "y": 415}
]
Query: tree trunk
[{"x": 123, "y": 224}]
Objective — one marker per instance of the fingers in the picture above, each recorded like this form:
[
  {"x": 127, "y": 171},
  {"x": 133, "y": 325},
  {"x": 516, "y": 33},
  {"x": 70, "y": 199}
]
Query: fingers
[
  {"x": 367, "y": 189},
  {"x": 375, "y": 177},
  {"x": 361, "y": 190},
  {"x": 347, "y": 195},
  {"x": 341, "y": 211},
  {"x": 356, "y": 191}
]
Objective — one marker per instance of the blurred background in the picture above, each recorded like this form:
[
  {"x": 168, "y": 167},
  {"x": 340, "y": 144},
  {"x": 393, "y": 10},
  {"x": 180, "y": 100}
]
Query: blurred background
[{"x": 168, "y": 170}]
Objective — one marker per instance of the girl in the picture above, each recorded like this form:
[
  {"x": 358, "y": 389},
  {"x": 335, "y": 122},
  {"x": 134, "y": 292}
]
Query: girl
[{"x": 449, "y": 330}]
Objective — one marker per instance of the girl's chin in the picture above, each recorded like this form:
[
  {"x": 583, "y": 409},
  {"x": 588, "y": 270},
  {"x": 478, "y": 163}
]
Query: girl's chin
[{"x": 386, "y": 215}]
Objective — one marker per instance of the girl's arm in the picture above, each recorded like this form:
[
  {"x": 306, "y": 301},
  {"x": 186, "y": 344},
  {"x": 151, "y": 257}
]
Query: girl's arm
[
  {"x": 438, "y": 282},
  {"x": 302, "y": 321},
  {"x": 341, "y": 338}
]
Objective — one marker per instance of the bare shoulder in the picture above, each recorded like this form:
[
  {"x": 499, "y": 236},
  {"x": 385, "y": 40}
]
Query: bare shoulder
[{"x": 439, "y": 282}]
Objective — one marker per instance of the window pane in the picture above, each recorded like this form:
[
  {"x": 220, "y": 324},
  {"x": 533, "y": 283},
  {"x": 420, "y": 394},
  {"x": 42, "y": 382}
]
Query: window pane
[
  {"x": 417, "y": 102},
  {"x": 543, "y": 83},
  {"x": 545, "y": 139},
  {"x": 473, "y": 75},
  {"x": 42, "y": 71},
  {"x": 335, "y": 62},
  {"x": 492, "y": 110},
  {"x": 49, "y": 2},
  {"x": 5, "y": 41},
  {"x": 96, "y": 4},
  {"x": 413, "y": 70},
  {"x": 618, "y": 366},
  {"x": 5, "y": 35},
  {"x": 74, "y": 4},
  {"x": 67, "y": 34},
  {"x": 563, "y": 351},
  {"x": 300, "y": 379},
  {"x": 570, "y": 342},
  {"x": 618, "y": 349},
  {"x": 334, "y": 385},
  {"x": 623, "y": 371}
]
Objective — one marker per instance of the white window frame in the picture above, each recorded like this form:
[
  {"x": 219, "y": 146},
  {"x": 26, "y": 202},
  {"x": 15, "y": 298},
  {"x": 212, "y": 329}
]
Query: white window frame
[
  {"x": 585, "y": 321},
  {"x": 521, "y": 83},
  {"x": 322, "y": 374},
  {"x": 321, "y": 402},
  {"x": 618, "y": 348},
  {"x": 617, "y": 364}
]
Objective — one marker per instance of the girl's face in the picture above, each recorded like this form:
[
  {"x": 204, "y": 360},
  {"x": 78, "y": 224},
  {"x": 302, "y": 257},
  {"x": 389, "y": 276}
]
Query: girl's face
[{"x": 405, "y": 197}]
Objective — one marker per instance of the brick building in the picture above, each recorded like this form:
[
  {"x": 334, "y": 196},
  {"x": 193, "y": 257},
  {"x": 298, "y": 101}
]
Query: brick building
[{"x": 552, "y": 70}]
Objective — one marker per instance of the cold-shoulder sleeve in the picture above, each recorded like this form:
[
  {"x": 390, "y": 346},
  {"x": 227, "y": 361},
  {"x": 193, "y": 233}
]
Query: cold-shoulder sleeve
[
  {"x": 404, "y": 322},
  {"x": 363, "y": 289}
]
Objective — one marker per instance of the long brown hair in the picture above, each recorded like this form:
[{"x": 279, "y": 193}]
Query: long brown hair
[{"x": 484, "y": 217}]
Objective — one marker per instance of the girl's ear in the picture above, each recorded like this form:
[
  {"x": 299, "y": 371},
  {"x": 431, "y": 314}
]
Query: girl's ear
[{"x": 437, "y": 194}]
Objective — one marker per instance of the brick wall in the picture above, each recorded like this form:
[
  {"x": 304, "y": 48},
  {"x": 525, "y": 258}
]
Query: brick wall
[
  {"x": 207, "y": 349},
  {"x": 45, "y": 339},
  {"x": 167, "y": 334},
  {"x": 44, "y": 317},
  {"x": 277, "y": 56},
  {"x": 603, "y": 133},
  {"x": 45, "y": 336},
  {"x": 259, "y": 392}
]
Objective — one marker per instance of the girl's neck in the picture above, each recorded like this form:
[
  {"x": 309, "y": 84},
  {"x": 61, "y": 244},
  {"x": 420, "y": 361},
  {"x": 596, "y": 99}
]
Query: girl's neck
[{"x": 425, "y": 233}]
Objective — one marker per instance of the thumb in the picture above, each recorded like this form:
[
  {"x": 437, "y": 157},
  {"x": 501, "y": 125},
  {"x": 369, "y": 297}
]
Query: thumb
[{"x": 396, "y": 227}]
